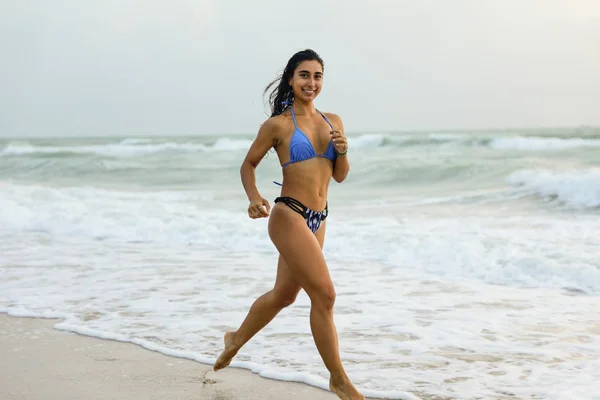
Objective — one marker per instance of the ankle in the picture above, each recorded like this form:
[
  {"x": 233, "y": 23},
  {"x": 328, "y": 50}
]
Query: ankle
[
  {"x": 339, "y": 379},
  {"x": 234, "y": 339}
]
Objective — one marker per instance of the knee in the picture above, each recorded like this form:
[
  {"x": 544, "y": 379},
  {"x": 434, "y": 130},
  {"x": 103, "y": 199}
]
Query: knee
[
  {"x": 285, "y": 299},
  {"x": 324, "y": 297}
]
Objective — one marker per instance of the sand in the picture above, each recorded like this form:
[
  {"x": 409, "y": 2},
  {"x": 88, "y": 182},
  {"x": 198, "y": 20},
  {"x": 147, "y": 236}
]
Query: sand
[{"x": 39, "y": 362}]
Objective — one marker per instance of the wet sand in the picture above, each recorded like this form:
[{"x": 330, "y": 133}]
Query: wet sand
[{"x": 39, "y": 362}]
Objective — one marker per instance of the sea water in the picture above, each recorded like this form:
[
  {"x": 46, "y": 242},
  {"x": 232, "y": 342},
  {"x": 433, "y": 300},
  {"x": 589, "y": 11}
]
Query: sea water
[{"x": 466, "y": 264}]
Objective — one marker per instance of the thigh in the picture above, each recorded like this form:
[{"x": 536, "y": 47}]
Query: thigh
[
  {"x": 300, "y": 248},
  {"x": 320, "y": 234},
  {"x": 285, "y": 281}
]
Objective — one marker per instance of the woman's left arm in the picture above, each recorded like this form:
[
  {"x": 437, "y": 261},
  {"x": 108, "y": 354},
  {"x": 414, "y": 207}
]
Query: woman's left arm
[{"x": 341, "y": 167}]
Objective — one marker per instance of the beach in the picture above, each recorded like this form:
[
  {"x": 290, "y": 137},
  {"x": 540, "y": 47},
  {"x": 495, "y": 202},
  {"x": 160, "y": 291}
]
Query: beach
[
  {"x": 39, "y": 362},
  {"x": 465, "y": 266}
]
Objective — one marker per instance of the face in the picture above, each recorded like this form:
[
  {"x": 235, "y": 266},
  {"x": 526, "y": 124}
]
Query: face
[{"x": 307, "y": 80}]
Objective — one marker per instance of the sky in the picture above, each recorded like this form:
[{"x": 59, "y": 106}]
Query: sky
[{"x": 183, "y": 67}]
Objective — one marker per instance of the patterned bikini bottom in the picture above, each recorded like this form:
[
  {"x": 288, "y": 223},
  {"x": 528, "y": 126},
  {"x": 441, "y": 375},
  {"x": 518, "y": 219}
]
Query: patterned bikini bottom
[{"x": 313, "y": 218}]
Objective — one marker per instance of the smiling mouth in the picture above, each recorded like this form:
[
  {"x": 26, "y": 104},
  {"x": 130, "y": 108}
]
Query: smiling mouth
[{"x": 308, "y": 91}]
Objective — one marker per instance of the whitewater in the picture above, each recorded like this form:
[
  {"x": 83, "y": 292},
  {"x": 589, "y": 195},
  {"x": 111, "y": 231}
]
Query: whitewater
[{"x": 466, "y": 264}]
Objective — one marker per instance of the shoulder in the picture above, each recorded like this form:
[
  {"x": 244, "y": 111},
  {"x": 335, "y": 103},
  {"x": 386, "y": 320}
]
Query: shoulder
[
  {"x": 277, "y": 124},
  {"x": 273, "y": 129},
  {"x": 335, "y": 119},
  {"x": 271, "y": 126},
  {"x": 332, "y": 116}
]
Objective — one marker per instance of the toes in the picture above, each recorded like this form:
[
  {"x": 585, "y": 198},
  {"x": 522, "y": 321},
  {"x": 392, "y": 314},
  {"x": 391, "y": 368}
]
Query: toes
[{"x": 220, "y": 365}]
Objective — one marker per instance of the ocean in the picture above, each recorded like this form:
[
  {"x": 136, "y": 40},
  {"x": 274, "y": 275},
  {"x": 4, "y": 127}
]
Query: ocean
[{"x": 466, "y": 264}]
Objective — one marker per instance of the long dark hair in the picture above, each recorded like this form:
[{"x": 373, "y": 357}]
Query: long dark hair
[{"x": 282, "y": 96}]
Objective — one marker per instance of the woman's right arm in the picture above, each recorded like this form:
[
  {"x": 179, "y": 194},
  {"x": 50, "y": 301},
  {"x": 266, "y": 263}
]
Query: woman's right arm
[{"x": 265, "y": 139}]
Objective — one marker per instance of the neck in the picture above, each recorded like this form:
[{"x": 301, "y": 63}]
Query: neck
[{"x": 304, "y": 107}]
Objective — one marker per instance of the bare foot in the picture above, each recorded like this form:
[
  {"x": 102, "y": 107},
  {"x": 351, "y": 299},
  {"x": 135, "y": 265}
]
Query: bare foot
[
  {"x": 344, "y": 389},
  {"x": 228, "y": 353}
]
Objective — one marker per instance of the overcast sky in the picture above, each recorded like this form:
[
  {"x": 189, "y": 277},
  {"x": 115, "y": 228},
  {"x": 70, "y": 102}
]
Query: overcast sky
[{"x": 148, "y": 67}]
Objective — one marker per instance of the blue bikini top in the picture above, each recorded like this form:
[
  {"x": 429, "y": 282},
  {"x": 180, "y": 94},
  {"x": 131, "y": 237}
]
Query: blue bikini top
[{"x": 302, "y": 149}]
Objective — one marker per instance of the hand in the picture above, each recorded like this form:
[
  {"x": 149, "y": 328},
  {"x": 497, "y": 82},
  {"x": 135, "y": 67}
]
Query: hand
[
  {"x": 259, "y": 208},
  {"x": 339, "y": 141}
]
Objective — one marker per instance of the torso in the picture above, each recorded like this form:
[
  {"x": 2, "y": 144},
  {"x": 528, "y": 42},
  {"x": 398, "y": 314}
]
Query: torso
[{"x": 307, "y": 180}]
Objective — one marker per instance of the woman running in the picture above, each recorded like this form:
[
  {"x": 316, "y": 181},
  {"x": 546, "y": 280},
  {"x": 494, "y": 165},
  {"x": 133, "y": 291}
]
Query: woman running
[{"x": 311, "y": 147}]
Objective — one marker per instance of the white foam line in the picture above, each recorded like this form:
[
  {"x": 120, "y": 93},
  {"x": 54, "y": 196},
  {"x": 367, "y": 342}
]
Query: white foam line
[
  {"x": 261, "y": 370},
  {"x": 24, "y": 313}
]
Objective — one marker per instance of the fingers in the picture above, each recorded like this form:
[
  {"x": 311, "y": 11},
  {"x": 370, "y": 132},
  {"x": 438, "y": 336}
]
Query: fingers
[
  {"x": 256, "y": 214},
  {"x": 337, "y": 137},
  {"x": 339, "y": 141},
  {"x": 259, "y": 209},
  {"x": 335, "y": 134},
  {"x": 267, "y": 205},
  {"x": 263, "y": 211},
  {"x": 252, "y": 213}
]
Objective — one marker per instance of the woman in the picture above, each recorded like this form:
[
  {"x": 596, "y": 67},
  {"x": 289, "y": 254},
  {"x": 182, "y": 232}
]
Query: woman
[{"x": 312, "y": 149}]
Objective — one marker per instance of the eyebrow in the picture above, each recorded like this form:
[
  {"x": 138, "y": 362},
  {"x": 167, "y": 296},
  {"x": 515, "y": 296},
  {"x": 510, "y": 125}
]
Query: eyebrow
[{"x": 308, "y": 72}]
